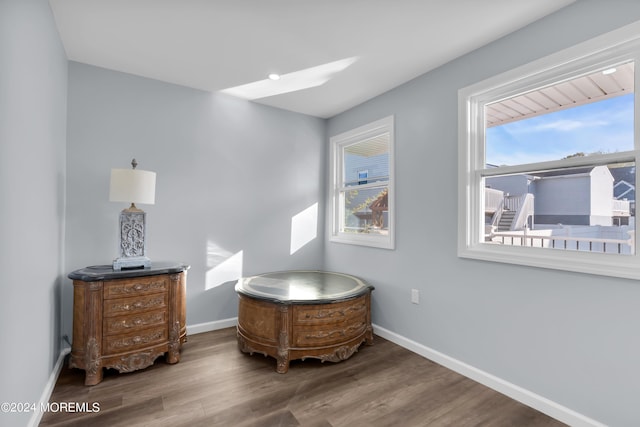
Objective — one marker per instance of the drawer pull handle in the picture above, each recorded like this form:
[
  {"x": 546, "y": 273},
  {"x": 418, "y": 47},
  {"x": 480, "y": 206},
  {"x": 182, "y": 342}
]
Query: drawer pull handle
[
  {"x": 150, "y": 319},
  {"x": 140, "y": 339},
  {"x": 137, "y": 287},
  {"x": 323, "y": 314},
  {"x": 157, "y": 302},
  {"x": 348, "y": 331}
]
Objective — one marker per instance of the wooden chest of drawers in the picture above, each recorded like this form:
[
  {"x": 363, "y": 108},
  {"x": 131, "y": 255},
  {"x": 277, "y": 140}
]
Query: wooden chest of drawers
[
  {"x": 303, "y": 314},
  {"x": 126, "y": 319}
]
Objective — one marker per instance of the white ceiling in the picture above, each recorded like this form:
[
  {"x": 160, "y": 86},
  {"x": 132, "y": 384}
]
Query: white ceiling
[{"x": 333, "y": 54}]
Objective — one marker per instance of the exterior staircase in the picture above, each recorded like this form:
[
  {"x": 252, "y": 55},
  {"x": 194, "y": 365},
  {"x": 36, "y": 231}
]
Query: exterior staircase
[
  {"x": 506, "y": 219},
  {"x": 512, "y": 213}
]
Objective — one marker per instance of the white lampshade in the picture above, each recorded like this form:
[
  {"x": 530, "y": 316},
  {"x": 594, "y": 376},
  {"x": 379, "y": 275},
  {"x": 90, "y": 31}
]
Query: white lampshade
[{"x": 132, "y": 186}]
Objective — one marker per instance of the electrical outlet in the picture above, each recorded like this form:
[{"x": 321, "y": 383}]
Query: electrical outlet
[{"x": 415, "y": 296}]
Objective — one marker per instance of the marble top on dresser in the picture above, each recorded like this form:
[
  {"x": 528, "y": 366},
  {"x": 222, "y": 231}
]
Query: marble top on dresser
[{"x": 106, "y": 272}]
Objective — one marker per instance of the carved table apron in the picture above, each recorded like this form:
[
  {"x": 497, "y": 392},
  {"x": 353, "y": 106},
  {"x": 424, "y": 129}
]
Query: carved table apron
[{"x": 303, "y": 314}]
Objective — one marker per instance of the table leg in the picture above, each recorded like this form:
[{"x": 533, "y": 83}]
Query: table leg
[
  {"x": 282, "y": 366},
  {"x": 283, "y": 344}
]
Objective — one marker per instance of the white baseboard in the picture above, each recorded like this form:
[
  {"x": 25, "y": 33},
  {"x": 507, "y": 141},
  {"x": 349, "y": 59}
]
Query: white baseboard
[
  {"x": 540, "y": 403},
  {"x": 211, "y": 326},
  {"x": 48, "y": 388},
  {"x": 51, "y": 383},
  {"x": 526, "y": 397}
]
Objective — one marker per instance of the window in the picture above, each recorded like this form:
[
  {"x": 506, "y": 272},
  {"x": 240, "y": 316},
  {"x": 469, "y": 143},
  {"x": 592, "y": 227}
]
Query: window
[
  {"x": 362, "y": 185},
  {"x": 547, "y": 158}
]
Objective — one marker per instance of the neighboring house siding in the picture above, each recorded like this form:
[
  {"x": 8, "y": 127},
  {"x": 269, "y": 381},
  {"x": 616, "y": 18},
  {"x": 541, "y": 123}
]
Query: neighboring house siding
[
  {"x": 513, "y": 185},
  {"x": 623, "y": 190},
  {"x": 583, "y": 198},
  {"x": 624, "y": 183},
  {"x": 562, "y": 219},
  {"x": 562, "y": 195},
  {"x": 377, "y": 166}
]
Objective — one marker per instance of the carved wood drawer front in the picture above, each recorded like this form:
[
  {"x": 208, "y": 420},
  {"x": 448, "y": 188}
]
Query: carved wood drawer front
[
  {"x": 138, "y": 286},
  {"x": 124, "y": 324},
  {"x": 132, "y": 305},
  {"x": 330, "y": 313},
  {"x": 126, "y": 342},
  {"x": 259, "y": 319},
  {"x": 328, "y": 335}
]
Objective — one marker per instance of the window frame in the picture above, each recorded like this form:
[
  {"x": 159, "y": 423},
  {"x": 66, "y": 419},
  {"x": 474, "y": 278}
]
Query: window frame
[
  {"x": 613, "y": 48},
  {"x": 337, "y": 142}
]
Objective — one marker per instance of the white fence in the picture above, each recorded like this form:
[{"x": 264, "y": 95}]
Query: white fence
[{"x": 619, "y": 240}]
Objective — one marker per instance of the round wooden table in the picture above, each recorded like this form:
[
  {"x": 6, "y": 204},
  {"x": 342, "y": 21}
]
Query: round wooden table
[{"x": 303, "y": 314}]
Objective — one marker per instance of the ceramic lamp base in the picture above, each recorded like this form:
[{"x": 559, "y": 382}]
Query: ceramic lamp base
[{"x": 132, "y": 240}]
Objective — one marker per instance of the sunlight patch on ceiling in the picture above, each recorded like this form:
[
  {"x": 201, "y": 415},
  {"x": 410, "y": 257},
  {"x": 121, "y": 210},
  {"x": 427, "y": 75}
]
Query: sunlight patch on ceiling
[{"x": 291, "y": 82}]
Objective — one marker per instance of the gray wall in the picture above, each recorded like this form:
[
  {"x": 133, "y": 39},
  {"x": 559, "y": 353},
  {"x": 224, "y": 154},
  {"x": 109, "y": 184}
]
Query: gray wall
[
  {"x": 33, "y": 91},
  {"x": 569, "y": 337},
  {"x": 231, "y": 174}
]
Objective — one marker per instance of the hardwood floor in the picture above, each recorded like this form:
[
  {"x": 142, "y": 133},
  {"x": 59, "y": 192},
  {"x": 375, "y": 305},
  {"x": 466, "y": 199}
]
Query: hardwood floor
[{"x": 216, "y": 385}]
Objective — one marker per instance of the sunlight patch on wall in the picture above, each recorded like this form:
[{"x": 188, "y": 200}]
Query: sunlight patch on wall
[
  {"x": 222, "y": 266},
  {"x": 304, "y": 227},
  {"x": 291, "y": 82}
]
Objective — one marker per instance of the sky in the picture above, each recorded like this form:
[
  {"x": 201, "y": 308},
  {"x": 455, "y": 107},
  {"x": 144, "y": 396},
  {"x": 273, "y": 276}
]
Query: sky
[{"x": 604, "y": 126}]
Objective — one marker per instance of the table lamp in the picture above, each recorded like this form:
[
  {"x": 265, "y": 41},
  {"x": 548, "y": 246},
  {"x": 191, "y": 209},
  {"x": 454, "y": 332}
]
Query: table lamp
[{"x": 132, "y": 186}]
